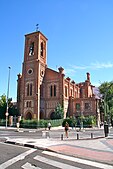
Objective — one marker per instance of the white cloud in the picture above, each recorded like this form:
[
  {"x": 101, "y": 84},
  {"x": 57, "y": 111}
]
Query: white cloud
[
  {"x": 96, "y": 84},
  {"x": 79, "y": 67},
  {"x": 93, "y": 66},
  {"x": 69, "y": 71},
  {"x": 96, "y": 65}
]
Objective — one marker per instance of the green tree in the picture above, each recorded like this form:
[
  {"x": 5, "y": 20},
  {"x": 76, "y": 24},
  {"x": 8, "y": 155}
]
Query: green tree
[
  {"x": 12, "y": 109},
  {"x": 2, "y": 106},
  {"x": 59, "y": 113},
  {"x": 106, "y": 90}
]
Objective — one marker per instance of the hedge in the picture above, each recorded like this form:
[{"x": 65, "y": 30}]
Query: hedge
[{"x": 40, "y": 123}]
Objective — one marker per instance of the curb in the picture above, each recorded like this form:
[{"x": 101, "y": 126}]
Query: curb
[
  {"x": 49, "y": 149},
  {"x": 26, "y": 145}
]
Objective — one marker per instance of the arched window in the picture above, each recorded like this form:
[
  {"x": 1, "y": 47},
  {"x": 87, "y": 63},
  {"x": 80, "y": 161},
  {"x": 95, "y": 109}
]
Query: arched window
[
  {"x": 28, "y": 89},
  {"x": 71, "y": 92},
  {"x": 31, "y": 49},
  {"x": 77, "y": 106},
  {"x": 41, "y": 51},
  {"x": 54, "y": 90},
  {"x": 81, "y": 93},
  {"x": 27, "y": 104},
  {"x": 51, "y": 91},
  {"x": 66, "y": 91}
]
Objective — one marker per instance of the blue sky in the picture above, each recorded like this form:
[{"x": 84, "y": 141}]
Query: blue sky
[{"x": 79, "y": 32}]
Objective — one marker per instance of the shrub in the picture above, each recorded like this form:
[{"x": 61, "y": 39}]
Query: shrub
[
  {"x": 71, "y": 122},
  {"x": 28, "y": 123},
  {"x": 39, "y": 124},
  {"x": 89, "y": 121}
]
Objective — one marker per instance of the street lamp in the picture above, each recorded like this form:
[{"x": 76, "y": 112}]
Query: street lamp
[
  {"x": 38, "y": 115},
  {"x": 7, "y": 97},
  {"x": 82, "y": 114}
]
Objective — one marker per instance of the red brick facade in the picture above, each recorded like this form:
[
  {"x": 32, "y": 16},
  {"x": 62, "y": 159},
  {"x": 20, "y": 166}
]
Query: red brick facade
[{"x": 40, "y": 89}]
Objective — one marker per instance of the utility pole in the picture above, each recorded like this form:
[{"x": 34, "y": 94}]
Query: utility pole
[{"x": 7, "y": 97}]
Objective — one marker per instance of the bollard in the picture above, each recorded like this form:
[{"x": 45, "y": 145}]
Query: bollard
[
  {"x": 18, "y": 125},
  {"x": 77, "y": 136},
  {"x": 91, "y": 135},
  {"x": 45, "y": 134},
  {"x": 106, "y": 129},
  {"x": 61, "y": 136}
]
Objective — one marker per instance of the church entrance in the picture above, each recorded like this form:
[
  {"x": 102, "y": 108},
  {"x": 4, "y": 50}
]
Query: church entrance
[
  {"x": 28, "y": 116},
  {"x": 52, "y": 116}
]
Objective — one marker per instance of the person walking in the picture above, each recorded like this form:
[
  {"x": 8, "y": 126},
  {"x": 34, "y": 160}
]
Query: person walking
[
  {"x": 66, "y": 129},
  {"x": 49, "y": 125}
]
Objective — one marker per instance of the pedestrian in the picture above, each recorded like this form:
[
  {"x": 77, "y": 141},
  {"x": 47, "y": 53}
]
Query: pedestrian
[
  {"x": 49, "y": 125},
  {"x": 66, "y": 129},
  {"x": 72, "y": 125},
  {"x": 79, "y": 124}
]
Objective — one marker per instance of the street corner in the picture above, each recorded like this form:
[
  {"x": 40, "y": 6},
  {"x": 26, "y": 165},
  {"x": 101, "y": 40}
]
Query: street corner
[
  {"x": 85, "y": 153},
  {"x": 109, "y": 142}
]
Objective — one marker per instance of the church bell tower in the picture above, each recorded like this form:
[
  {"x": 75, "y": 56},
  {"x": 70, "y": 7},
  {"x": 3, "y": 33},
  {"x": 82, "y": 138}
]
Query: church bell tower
[{"x": 33, "y": 71}]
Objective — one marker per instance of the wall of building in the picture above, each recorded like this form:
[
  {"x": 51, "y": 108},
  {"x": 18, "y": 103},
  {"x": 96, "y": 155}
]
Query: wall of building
[{"x": 49, "y": 87}]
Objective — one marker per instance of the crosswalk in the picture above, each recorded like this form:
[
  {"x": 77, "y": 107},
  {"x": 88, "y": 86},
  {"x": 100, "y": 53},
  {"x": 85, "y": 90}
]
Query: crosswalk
[
  {"x": 29, "y": 166},
  {"x": 53, "y": 160},
  {"x": 54, "y": 163},
  {"x": 63, "y": 165},
  {"x": 16, "y": 159},
  {"x": 49, "y": 162}
]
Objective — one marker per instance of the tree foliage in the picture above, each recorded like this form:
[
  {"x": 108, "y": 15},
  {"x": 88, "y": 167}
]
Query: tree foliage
[
  {"x": 106, "y": 90},
  {"x": 88, "y": 121},
  {"x": 12, "y": 109},
  {"x": 59, "y": 113},
  {"x": 2, "y": 106}
]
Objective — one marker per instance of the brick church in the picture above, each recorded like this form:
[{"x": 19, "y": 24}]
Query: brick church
[{"x": 40, "y": 89}]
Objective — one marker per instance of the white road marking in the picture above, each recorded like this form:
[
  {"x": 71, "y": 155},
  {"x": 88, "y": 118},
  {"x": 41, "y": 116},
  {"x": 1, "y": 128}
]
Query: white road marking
[
  {"x": 78, "y": 160},
  {"x": 15, "y": 159},
  {"x": 29, "y": 166},
  {"x": 54, "y": 163}
]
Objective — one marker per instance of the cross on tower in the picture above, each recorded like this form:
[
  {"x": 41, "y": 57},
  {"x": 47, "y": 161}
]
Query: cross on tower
[{"x": 37, "y": 27}]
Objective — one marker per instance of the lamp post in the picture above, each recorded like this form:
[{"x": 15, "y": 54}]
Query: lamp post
[
  {"x": 82, "y": 114},
  {"x": 7, "y": 96},
  {"x": 38, "y": 110}
]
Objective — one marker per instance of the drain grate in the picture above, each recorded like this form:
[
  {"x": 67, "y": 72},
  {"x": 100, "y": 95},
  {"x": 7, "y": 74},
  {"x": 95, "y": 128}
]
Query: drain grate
[{"x": 30, "y": 141}]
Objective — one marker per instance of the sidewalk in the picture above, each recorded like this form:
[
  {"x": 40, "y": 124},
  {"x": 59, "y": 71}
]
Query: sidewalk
[{"x": 95, "y": 149}]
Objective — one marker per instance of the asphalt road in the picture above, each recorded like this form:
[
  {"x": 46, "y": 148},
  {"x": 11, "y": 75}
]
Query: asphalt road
[
  {"x": 17, "y": 157},
  {"x": 4, "y": 134}
]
